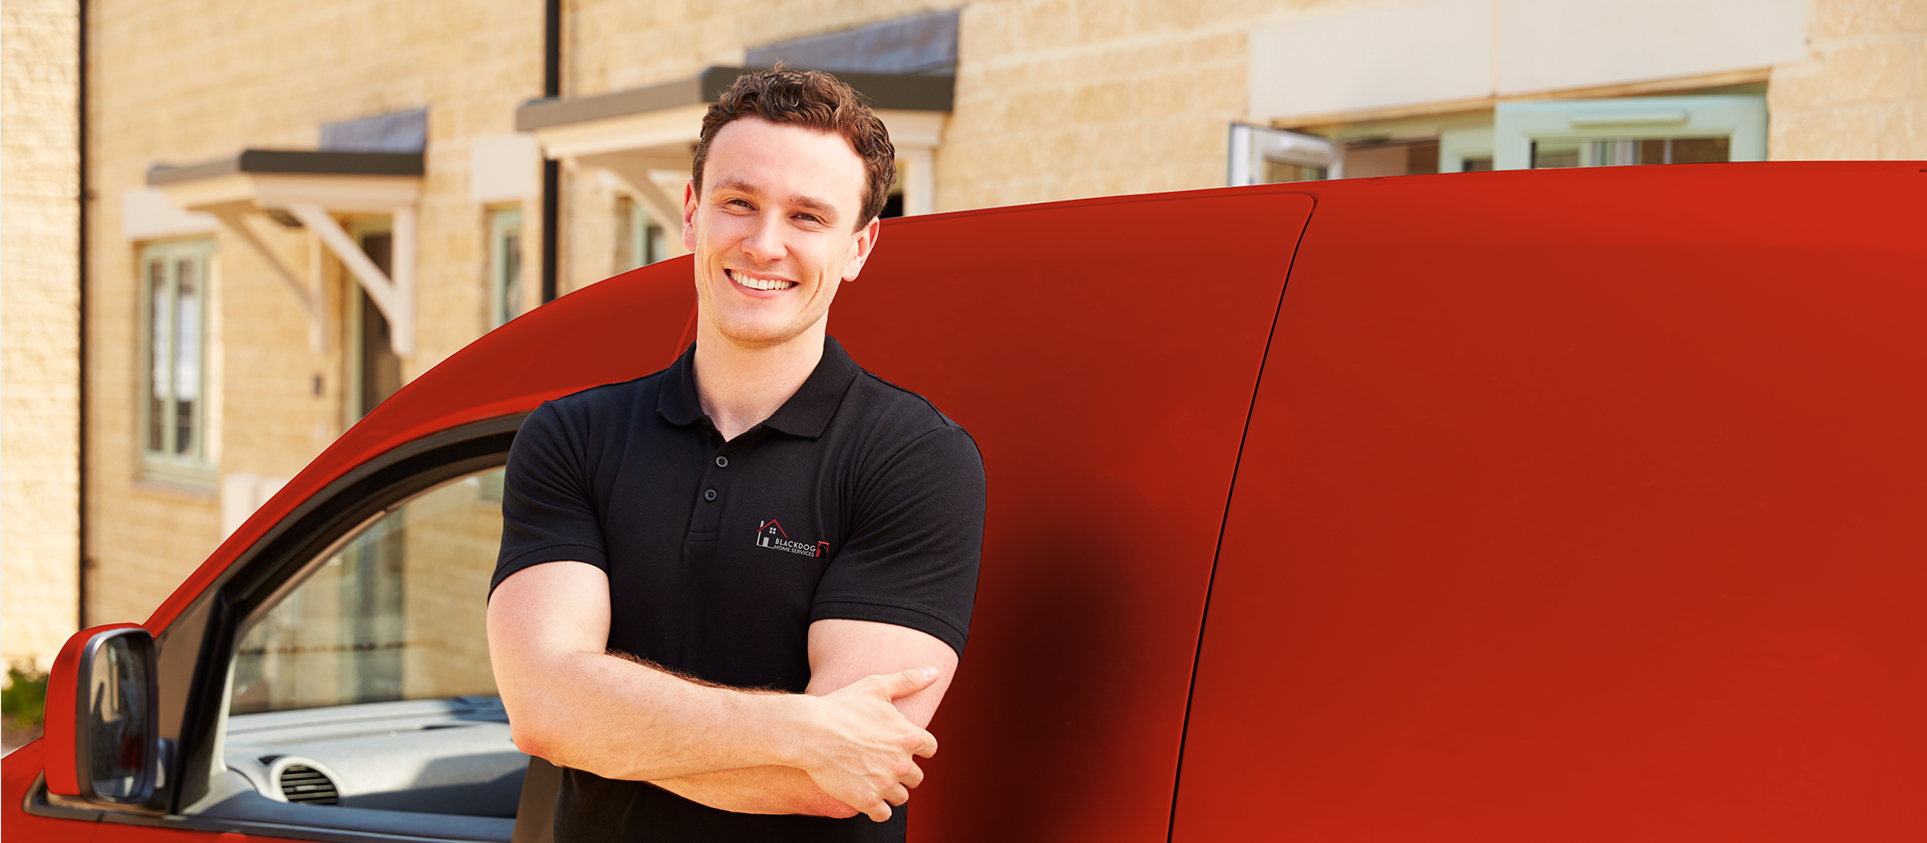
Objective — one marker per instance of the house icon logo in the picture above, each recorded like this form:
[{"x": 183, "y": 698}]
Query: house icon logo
[{"x": 771, "y": 535}]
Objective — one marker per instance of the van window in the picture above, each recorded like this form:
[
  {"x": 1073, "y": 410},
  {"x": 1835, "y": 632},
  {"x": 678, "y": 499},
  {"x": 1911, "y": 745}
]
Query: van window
[{"x": 397, "y": 612}]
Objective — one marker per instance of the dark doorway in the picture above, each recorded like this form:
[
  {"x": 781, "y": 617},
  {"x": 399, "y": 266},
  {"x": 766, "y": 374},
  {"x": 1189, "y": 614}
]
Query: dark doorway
[{"x": 379, "y": 372}]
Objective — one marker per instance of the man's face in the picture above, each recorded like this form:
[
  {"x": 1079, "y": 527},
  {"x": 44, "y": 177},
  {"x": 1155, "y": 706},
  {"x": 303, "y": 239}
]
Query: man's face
[{"x": 774, "y": 230}]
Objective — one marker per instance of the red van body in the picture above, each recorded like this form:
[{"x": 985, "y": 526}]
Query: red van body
[{"x": 1577, "y": 505}]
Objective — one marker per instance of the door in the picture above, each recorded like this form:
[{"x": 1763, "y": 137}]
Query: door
[{"x": 1580, "y": 507}]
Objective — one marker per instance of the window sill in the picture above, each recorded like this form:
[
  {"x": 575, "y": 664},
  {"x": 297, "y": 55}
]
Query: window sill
[{"x": 200, "y": 480}]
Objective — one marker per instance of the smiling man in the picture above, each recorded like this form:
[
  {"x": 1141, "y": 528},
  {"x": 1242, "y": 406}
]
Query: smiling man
[{"x": 731, "y": 594}]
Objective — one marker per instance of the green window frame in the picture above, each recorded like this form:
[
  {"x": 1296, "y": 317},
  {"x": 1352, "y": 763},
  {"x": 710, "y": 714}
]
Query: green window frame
[
  {"x": 1633, "y": 130},
  {"x": 504, "y": 266},
  {"x": 174, "y": 388},
  {"x": 644, "y": 241}
]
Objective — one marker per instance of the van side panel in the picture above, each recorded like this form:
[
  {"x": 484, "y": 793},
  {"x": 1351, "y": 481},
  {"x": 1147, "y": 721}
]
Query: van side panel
[
  {"x": 1584, "y": 506},
  {"x": 1103, "y": 356}
]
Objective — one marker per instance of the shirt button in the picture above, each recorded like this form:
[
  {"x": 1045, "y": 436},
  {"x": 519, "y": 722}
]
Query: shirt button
[
  {"x": 722, "y": 462},
  {"x": 709, "y": 494}
]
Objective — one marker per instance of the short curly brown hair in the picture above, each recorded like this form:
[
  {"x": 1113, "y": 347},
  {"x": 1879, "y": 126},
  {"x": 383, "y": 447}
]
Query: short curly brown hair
[{"x": 814, "y": 100}]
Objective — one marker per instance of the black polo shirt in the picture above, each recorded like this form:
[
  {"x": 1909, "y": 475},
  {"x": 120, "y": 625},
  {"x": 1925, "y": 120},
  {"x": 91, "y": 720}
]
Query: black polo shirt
[{"x": 856, "y": 499}]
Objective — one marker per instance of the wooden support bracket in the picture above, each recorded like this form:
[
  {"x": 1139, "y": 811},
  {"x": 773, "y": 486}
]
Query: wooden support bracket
[
  {"x": 308, "y": 295},
  {"x": 395, "y": 297}
]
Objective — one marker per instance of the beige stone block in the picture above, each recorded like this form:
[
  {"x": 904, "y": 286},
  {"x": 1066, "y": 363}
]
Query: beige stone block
[
  {"x": 1834, "y": 18},
  {"x": 1101, "y": 103},
  {"x": 1913, "y": 16},
  {"x": 1161, "y": 94},
  {"x": 1134, "y": 60},
  {"x": 1910, "y": 140},
  {"x": 1918, "y": 54},
  {"x": 1798, "y": 87},
  {"x": 1218, "y": 47},
  {"x": 1871, "y": 72},
  {"x": 1843, "y": 133}
]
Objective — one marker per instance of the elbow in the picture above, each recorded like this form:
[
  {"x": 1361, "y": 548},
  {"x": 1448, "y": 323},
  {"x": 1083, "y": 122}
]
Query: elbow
[
  {"x": 530, "y": 740},
  {"x": 542, "y": 739}
]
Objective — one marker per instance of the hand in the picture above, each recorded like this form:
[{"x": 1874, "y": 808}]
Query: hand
[{"x": 859, "y": 747}]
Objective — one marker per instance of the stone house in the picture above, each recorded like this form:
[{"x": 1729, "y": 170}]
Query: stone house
[{"x": 296, "y": 209}]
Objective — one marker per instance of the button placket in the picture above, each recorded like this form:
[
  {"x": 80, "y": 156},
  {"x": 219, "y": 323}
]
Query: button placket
[{"x": 710, "y": 492}]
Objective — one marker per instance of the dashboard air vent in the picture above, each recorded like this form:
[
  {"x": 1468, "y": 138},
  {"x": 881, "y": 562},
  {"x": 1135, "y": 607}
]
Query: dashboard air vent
[{"x": 306, "y": 785}]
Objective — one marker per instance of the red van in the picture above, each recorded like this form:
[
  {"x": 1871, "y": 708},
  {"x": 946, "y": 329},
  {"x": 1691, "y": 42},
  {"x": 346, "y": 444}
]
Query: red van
[{"x": 1574, "y": 505}]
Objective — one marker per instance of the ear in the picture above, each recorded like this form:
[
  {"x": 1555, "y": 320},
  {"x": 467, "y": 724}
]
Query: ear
[
  {"x": 689, "y": 215},
  {"x": 860, "y": 246}
]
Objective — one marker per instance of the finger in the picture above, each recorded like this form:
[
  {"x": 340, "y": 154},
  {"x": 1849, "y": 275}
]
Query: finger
[
  {"x": 912, "y": 778},
  {"x": 896, "y": 795},
  {"x": 879, "y": 812},
  {"x": 926, "y": 747},
  {"x": 907, "y": 682}
]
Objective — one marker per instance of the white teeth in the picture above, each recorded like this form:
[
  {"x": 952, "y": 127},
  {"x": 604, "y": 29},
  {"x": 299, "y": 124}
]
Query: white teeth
[{"x": 761, "y": 283}]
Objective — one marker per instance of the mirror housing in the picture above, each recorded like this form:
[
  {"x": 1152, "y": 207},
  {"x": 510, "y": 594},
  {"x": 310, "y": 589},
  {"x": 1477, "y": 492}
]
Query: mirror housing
[{"x": 102, "y": 728}]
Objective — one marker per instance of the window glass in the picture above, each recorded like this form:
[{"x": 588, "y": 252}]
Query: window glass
[
  {"x": 187, "y": 354},
  {"x": 504, "y": 265},
  {"x": 397, "y": 612},
  {"x": 642, "y": 241},
  {"x": 174, "y": 348},
  {"x": 1614, "y": 152},
  {"x": 1261, "y": 155}
]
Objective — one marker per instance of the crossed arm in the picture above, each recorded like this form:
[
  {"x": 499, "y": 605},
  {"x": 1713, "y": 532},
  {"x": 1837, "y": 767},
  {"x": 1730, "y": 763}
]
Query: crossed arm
[{"x": 843, "y": 747}]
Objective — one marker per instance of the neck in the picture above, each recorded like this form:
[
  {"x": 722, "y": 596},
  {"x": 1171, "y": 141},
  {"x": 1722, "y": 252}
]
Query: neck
[{"x": 741, "y": 386}]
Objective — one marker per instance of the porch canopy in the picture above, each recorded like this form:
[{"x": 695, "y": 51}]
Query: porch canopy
[{"x": 311, "y": 187}]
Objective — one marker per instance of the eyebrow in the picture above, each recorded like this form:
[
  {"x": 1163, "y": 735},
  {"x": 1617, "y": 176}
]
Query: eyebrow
[{"x": 822, "y": 207}]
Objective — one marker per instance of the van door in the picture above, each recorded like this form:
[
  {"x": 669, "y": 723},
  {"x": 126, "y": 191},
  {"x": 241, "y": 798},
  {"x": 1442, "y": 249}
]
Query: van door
[{"x": 1580, "y": 506}]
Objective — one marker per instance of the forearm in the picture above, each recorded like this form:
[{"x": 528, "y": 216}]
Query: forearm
[
  {"x": 758, "y": 790},
  {"x": 571, "y": 702},
  {"x": 623, "y": 720}
]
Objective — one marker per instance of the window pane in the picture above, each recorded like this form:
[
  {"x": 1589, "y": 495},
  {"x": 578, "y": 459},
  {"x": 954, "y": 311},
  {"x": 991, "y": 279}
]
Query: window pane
[
  {"x": 511, "y": 246},
  {"x": 157, "y": 356},
  {"x": 187, "y": 354},
  {"x": 1612, "y": 152},
  {"x": 397, "y": 613},
  {"x": 1278, "y": 172},
  {"x": 1702, "y": 151},
  {"x": 658, "y": 248},
  {"x": 1552, "y": 154}
]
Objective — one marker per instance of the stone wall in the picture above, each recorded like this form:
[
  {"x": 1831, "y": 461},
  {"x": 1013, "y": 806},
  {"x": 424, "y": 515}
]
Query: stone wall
[
  {"x": 1862, "y": 91},
  {"x": 39, "y": 328},
  {"x": 196, "y": 80},
  {"x": 1055, "y": 99}
]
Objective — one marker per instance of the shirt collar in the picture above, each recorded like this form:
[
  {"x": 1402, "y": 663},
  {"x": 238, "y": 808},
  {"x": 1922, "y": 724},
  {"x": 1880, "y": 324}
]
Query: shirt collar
[{"x": 805, "y": 414}]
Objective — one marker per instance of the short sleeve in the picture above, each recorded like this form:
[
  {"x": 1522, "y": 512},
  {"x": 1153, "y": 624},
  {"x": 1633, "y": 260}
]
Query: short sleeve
[
  {"x": 915, "y": 542},
  {"x": 548, "y": 503}
]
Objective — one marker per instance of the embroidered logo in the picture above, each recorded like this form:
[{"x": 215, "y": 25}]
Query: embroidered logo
[{"x": 770, "y": 534}]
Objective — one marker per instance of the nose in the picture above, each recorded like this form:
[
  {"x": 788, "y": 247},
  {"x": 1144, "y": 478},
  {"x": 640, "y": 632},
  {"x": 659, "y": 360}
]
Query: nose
[{"x": 764, "y": 242}]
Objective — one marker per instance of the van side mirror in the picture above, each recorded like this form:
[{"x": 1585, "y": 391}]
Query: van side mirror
[{"x": 102, "y": 727}]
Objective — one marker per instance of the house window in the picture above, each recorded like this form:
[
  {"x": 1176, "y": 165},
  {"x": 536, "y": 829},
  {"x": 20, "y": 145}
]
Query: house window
[
  {"x": 504, "y": 265},
  {"x": 641, "y": 240},
  {"x": 1261, "y": 155},
  {"x": 174, "y": 287},
  {"x": 1634, "y": 130}
]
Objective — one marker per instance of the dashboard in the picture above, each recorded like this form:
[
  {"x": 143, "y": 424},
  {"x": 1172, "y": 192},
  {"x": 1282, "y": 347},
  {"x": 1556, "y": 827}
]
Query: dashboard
[{"x": 450, "y": 756}]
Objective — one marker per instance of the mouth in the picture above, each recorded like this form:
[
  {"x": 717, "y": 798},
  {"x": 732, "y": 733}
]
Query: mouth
[{"x": 754, "y": 283}]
